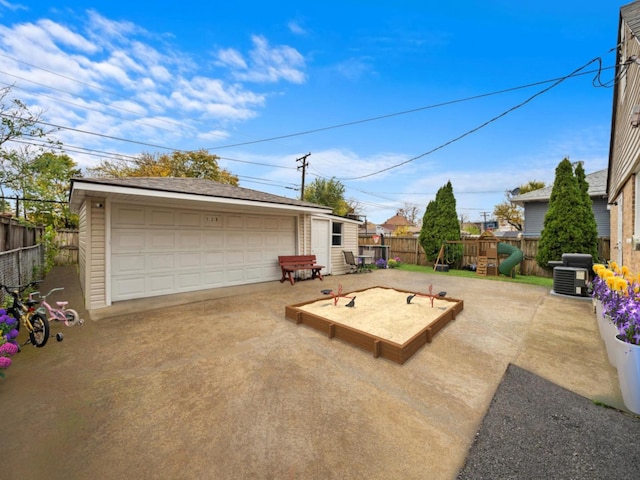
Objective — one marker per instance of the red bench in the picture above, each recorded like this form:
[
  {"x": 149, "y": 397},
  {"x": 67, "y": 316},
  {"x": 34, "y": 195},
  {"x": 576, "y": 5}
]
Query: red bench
[{"x": 291, "y": 263}]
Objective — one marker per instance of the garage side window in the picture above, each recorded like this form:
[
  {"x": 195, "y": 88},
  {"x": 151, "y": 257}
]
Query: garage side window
[{"x": 336, "y": 236}]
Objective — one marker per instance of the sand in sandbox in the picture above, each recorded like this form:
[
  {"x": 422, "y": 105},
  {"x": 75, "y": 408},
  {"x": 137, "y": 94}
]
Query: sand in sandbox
[{"x": 382, "y": 312}]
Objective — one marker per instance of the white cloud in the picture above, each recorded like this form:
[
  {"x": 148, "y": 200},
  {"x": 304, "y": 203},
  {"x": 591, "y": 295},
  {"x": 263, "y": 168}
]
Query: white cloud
[
  {"x": 12, "y": 6},
  {"x": 354, "y": 68},
  {"x": 272, "y": 64},
  {"x": 231, "y": 58},
  {"x": 120, "y": 80},
  {"x": 295, "y": 28}
]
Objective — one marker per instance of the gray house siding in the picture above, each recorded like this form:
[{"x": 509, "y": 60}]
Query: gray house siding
[{"x": 534, "y": 213}]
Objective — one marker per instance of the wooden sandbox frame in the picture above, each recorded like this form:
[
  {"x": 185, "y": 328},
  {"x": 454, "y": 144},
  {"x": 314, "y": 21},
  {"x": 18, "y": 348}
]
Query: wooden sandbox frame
[{"x": 380, "y": 347}]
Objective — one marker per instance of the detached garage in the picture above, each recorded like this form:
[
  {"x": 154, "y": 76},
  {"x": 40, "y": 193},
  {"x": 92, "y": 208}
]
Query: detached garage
[{"x": 144, "y": 237}]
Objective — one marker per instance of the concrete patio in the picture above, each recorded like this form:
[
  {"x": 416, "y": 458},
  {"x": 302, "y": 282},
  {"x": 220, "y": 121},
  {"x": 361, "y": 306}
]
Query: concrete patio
[{"x": 219, "y": 384}]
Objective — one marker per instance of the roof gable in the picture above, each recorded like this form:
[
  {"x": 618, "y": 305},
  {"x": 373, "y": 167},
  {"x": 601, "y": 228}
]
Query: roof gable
[
  {"x": 199, "y": 188},
  {"x": 597, "y": 188}
]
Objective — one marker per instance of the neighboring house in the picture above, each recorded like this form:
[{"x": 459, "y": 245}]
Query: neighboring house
[
  {"x": 397, "y": 221},
  {"x": 368, "y": 228},
  {"x": 144, "y": 237},
  {"x": 623, "y": 183},
  {"x": 536, "y": 204}
]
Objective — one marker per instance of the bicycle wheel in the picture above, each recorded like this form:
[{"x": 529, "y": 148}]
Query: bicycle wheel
[
  {"x": 40, "y": 333},
  {"x": 72, "y": 317}
]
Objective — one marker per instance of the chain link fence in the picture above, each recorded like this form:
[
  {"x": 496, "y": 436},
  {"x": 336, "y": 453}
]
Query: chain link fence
[{"x": 21, "y": 266}]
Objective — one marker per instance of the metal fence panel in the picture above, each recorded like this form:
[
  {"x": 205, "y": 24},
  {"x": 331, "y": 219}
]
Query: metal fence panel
[{"x": 21, "y": 266}]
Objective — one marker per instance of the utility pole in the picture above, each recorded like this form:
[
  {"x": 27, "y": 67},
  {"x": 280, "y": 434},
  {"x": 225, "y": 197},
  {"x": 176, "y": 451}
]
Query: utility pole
[
  {"x": 303, "y": 166},
  {"x": 484, "y": 223}
]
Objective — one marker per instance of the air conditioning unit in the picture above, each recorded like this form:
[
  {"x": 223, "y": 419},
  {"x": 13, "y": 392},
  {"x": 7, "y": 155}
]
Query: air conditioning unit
[{"x": 570, "y": 281}]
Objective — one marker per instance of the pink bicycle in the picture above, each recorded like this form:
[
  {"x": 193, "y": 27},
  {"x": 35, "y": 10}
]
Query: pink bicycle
[{"x": 61, "y": 314}]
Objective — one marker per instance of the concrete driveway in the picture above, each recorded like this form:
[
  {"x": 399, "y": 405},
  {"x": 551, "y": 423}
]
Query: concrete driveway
[{"x": 225, "y": 387}]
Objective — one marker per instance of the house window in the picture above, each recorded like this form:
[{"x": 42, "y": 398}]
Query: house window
[{"x": 336, "y": 234}]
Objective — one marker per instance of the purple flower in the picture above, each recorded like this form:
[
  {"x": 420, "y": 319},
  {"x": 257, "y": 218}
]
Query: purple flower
[
  {"x": 13, "y": 333},
  {"x": 5, "y": 362}
]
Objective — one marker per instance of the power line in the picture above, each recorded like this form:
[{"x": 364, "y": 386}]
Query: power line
[
  {"x": 405, "y": 112},
  {"x": 475, "y": 129}
]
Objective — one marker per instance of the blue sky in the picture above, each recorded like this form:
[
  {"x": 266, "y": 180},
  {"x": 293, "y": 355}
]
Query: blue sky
[{"x": 388, "y": 97}]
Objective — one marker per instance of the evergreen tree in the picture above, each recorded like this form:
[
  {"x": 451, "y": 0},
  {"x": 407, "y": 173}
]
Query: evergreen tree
[
  {"x": 563, "y": 228},
  {"x": 440, "y": 223},
  {"x": 589, "y": 225}
]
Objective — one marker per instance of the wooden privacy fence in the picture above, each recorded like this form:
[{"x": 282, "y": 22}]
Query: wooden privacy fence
[
  {"x": 14, "y": 235},
  {"x": 67, "y": 243},
  {"x": 408, "y": 249}
]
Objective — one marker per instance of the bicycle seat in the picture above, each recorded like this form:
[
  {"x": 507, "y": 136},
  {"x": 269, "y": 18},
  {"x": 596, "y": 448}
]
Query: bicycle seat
[{"x": 62, "y": 304}]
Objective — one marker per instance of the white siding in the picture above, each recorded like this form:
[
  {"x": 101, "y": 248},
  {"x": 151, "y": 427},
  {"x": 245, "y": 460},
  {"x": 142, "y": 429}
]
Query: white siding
[
  {"x": 97, "y": 257},
  {"x": 82, "y": 248}
]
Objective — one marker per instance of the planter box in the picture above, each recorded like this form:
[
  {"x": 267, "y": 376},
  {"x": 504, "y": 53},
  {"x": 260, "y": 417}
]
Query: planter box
[{"x": 628, "y": 361}]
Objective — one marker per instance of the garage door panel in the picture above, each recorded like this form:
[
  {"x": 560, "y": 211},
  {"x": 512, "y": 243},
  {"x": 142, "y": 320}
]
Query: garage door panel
[
  {"x": 213, "y": 278},
  {"x": 213, "y": 240},
  {"x": 188, "y": 260},
  {"x": 160, "y": 240},
  {"x": 234, "y": 221},
  {"x": 234, "y": 258},
  {"x": 123, "y": 242},
  {"x": 160, "y": 261},
  {"x": 189, "y": 281},
  {"x": 156, "y": 251},
  {"x": 126, "y": 264},
  {"x": 254, "y": 258},
  {"x": 234, "y": 276},
  {"x": 161, "y": 284},
  {"x": 189, "y": 240},
  {"x": 188, "y": 220},
  {"x": 129, "y": 216},
  {"x": 161, "y": 218},
  {"x": 254, "y": 240},
  {"x": 234, "y": 239},
  {"x": 213, "y": 259},
  {"x": 129, "y": 287}
]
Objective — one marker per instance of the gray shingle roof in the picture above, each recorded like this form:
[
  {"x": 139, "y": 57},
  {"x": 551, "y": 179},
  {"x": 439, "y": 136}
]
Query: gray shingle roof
[
  {"x": 630, "y": 13},
  {"x": 200, "y": 187},
  {"x": 597, "y": 188}
]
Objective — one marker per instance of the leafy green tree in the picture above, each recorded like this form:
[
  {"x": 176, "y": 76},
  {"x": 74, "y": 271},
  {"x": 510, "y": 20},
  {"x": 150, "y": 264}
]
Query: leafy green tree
[
  {"x": 329, "y": 193},
  {"x": 440, "y": 224},
  {"x": 41, "y": 181},
  {"x": 18, "y": 121},
  {"x": 564, "y": 221},
  {"x": 194, "y": 164}
]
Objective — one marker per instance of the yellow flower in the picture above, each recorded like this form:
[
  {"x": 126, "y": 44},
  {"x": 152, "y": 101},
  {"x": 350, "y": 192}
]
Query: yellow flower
[
  {"x": 611, "y": 281},
  {"x": 613, "y": 265},
  {"x": 620, "y": 284},
  {"x": 597, "y": 267},
  {"x": 624, "y": 270},
  {"x": 605, "y": 273}
]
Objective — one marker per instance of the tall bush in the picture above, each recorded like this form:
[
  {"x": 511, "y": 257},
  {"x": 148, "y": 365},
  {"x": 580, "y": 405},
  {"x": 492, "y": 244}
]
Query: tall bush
[
  {"x": 440, "y": 224},
  {"x": 566, "y": 224}
]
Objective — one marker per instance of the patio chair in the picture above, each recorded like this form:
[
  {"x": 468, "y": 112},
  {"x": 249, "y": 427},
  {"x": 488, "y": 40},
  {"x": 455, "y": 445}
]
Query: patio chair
[{"x": 350, "y": 260}]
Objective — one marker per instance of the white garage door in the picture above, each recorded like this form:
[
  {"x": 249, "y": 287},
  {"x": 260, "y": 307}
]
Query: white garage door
[{"x": 157, "y": 251}]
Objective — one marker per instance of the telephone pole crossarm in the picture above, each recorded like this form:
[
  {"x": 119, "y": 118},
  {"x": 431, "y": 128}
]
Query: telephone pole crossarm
[{"x": 303, "y": 166}]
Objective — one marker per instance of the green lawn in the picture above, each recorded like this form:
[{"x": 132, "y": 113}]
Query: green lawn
[{"x": 528, "y": 279}]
